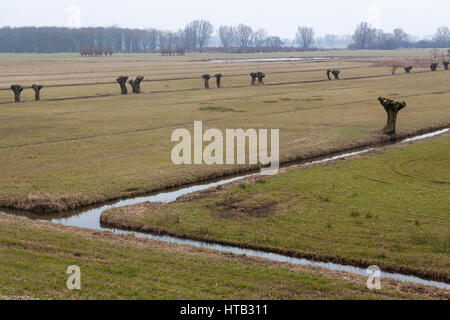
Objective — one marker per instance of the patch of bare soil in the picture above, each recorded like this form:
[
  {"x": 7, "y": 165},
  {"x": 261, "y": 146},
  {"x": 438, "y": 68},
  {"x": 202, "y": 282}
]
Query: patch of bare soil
[{"x": 232, "y": 208}]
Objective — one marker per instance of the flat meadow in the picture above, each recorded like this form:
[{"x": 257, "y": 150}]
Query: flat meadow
[{"x": 84, "y": 143}]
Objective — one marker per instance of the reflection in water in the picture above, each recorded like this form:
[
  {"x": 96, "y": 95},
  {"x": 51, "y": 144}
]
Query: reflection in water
[
  {"x": 90, "y": 219},
  {"x": 274, "y": 59}
]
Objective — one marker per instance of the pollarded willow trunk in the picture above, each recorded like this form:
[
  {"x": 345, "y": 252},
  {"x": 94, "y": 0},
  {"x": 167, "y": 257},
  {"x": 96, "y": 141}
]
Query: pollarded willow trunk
[
  {"x": 254, "y": 75},
  {"x": 122, "y": 80},
  {"x": 17, "y": 89},
  {"x": 328, "y": 74},
  {"x": 261, "y": 77},
  {"x": 136, "y": 84},
  {"x": 433, "y": 66},
  {"x": 218, "y": 80},
  {"x": 408, "y": 69},
  {"x": 336, "y": 74},
  {"x": 37, "y": 91},
  {"x": 446, "y": 63},
  {"x": 206, "y": 78},
  {"x": 392, "y": 108}
]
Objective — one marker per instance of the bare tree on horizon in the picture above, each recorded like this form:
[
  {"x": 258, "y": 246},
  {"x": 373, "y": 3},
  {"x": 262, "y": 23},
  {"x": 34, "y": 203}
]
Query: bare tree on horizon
[
  {"x": 227, "y": 36},
  {"x": 305, "y": 36},
  {"x": 364, "y": 36},
  {"x": 244, "y": 35},
  {"x": 203, "y": 30},
  {"x": 442, "y": 36},
  {"x": 259, "y": 37}
]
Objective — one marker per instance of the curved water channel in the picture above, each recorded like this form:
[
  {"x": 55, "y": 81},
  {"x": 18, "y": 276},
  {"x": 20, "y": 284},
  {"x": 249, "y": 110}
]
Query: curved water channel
[{"x": 90, "y": 219}]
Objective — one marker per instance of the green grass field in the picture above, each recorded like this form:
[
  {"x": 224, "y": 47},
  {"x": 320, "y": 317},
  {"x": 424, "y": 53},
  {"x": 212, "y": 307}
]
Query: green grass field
[
  {"x": 35, "y": 257},
  {"x": 389, "y": 209},
  {"x": 59, "y": 155}
]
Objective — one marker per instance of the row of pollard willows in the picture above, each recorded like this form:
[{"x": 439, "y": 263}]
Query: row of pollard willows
[
  {"x": 257, "y": 75},
  {"x": 391, "y": 106},
  {"x": 433, "y": 67},
  {"x": 254, "y": 75},
  {"x": 95, "y": 51},
  {"x": 207, "y": 76},
  {"x": 407, "y": 69},
  {"x": 135, "y": 84},
  {"x": 17, "y": 89},
  {"x": 178, "y": 51}
]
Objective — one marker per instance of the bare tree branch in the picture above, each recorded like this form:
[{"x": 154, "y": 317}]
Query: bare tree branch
[
  {"x": 244, "y": 35},
  {"x": 305, "y": 37},
  {"x": 227, "y": 35}
]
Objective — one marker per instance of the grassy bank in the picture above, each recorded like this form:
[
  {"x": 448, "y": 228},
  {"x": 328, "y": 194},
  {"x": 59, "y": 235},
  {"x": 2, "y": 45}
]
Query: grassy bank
[
  {"x": 389, "y": 209},
  {"x": 34, "y": 258}
]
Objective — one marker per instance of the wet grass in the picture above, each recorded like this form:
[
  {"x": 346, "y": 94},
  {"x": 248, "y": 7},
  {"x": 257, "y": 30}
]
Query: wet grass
[
  {"x": 34, "y": 258},
  {"x": 389, "y": 209}
]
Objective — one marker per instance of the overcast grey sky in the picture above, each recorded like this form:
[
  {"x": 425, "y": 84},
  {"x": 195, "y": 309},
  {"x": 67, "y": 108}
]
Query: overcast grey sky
[{"x": 278, "y": 17}]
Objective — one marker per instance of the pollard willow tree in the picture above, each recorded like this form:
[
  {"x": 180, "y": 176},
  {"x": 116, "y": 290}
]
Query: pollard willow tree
[
  {"x": 446, "y": 63},
  {"x": 206, "y": 78},
  {"x": 17, "y": 89},
  {"x": 37, "y": 91},
  {"x": 392, "y": 108},
  {"x": 408, "y": 69},
  {"x": 122, "y": 80},
  {"x": 136, "y": 84},
  {"x": 218, "y": 79},
  {"x": 254, "y": 75},
  {"x": 328, "y": 74},
  {"x": 261, "y": 77},
  {"x": 433, "y": 66},
  {"x": 336, "y": 74}
]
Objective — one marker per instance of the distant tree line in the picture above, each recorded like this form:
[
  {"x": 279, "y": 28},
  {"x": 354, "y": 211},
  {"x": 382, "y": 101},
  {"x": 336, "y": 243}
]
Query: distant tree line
[
  {"x": 195, "y": 36},
  {"x": 367, "y": 37},
  {"x": 99, "y": 40}
]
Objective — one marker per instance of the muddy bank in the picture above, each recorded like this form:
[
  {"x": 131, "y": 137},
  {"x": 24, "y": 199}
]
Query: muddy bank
[{"x": 50, "y": 203}]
